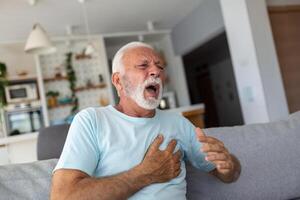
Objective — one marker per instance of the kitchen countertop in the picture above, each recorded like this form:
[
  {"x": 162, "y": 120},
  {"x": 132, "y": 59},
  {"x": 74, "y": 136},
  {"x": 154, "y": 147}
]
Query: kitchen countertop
[
  {"x": 18, "y": 138},
  {"x": 187, "y": 108}
]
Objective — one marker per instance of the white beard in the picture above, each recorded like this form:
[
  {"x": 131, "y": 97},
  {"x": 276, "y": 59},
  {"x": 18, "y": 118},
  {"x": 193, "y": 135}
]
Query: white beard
[{"x": 137, "y": 93}]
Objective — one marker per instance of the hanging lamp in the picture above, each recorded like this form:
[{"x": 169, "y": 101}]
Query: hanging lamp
[
  {"x": 38, "y": 41},
  {"x": 89, "y": 49}
]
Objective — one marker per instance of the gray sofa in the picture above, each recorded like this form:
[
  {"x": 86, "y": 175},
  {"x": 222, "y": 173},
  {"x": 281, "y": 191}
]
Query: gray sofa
[{"x": 269, "y": 154}]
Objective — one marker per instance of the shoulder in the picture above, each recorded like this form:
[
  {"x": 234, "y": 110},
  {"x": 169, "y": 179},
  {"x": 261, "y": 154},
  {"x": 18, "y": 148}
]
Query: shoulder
[
  {"x": 92, "y": 112},
  {"x": 89, "y": 117}
]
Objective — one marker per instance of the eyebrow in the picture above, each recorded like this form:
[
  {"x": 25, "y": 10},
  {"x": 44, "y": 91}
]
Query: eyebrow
[
  {"x": 159, "y": 62},
  {"x": 146, "y": 61}
]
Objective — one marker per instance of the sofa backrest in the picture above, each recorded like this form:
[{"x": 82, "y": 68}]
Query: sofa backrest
[
  {"x": 26, "y": 181},
  {"x": 270, "y": 158},
  {"x": 51, "y": 141}
]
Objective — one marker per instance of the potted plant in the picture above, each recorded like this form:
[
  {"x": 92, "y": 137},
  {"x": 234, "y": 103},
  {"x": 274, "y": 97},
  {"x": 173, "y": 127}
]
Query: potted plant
[
  {"x": 52, "y": 98},
  {"x": 3, "y": 83},
  {"x": 72, "y": 82}
]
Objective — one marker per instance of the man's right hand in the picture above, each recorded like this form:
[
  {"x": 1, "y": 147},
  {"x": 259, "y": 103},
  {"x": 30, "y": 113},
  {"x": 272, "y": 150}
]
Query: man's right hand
[{"x": 161, "y": 166}]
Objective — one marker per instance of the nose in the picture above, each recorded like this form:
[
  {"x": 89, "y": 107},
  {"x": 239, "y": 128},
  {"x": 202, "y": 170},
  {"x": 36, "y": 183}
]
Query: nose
[{"x": 155, "y": 71}]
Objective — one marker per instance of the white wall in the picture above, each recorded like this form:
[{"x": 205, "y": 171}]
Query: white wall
[
  {"x": 16, "y": 59},
  {"x": 254, "y": 60},
  {"x": 202, "y": 24},
  {"x": 175, "y": 72}
]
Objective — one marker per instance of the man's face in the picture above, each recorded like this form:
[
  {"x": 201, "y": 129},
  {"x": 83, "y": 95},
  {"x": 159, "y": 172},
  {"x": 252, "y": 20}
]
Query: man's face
[{"x": 143, "y": 76}]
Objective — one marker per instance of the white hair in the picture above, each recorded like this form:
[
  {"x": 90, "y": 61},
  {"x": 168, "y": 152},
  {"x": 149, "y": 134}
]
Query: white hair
[{"x": 117, "y": 63}]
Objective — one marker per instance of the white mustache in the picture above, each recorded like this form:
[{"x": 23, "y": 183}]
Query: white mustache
[{"x": 151, "y": 80}]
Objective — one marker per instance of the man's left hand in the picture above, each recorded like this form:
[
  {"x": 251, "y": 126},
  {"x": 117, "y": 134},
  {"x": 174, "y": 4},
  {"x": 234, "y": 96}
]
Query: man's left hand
[{"x": 216, "y": 153}]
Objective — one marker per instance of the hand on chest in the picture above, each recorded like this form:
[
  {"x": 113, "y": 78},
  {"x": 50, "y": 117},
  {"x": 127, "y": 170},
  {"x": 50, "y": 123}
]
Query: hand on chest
[{"x": 123, "y": 149}]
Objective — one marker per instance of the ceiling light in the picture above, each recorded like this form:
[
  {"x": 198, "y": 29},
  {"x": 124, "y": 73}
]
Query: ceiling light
[
  {"x": 32, "y": 2},
  {"x": 38, "y": 41}
]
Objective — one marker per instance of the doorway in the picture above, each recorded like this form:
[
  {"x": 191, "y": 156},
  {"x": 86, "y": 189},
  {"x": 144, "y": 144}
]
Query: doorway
[{"x": 211, "y": 81}]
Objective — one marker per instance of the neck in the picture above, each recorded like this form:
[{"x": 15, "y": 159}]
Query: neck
[{"x": 130, "y": 108}]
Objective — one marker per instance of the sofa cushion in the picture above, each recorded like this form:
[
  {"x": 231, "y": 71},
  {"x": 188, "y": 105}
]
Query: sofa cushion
[
  {"x": 270, "y": 158},
  {"x": 26, "y": 181}
]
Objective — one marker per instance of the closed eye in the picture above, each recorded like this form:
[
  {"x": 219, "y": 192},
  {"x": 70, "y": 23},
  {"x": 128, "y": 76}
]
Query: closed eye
[
  {"x": 143, "y": 66},
  {"x": 161, "y": 67}
]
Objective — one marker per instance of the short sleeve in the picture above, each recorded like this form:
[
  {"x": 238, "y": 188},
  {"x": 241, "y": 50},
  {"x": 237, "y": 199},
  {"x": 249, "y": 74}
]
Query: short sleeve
[
  {"x": 192, "y": 148},
  {"x": 81, "y": 151}
]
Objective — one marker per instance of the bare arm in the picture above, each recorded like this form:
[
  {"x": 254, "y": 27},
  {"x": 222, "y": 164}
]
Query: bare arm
[
  {"x": 157, "y": 167},
  {"x": 74, "y": 184}
]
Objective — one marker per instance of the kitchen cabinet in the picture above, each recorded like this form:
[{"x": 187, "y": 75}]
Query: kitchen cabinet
[
  {"x": 194, "y": 113},
  {"x": 4, "y": 157},
  {"x": 18, "y": 149}
]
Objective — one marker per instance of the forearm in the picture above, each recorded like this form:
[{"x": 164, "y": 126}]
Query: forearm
[
  {"x": 116, "y": 187},
  {"x": 233, "y": 175}
]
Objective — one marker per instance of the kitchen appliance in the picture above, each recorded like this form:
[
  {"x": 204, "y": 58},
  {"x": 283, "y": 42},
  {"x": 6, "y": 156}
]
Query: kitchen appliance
[
  {"x": 23, "y": 118},
  {"x": 167, "y": 101},
  {"x": 21, "y": 93}
]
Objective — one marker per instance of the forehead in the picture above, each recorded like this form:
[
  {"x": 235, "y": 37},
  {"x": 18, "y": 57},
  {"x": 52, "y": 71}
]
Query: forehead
[{"x": 140, "y": 54}]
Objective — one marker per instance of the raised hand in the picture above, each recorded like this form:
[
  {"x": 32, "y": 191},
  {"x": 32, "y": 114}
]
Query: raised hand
[
  {"x": 216, "y": 152},
  {"x": 161, "y": 166}
]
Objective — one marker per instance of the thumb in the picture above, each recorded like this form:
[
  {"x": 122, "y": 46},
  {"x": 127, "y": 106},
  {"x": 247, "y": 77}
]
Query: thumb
[{"x": 200, "y": 134}]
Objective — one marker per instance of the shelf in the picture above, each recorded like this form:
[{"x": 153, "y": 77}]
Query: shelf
[
  {"x": 61, "y": 105},
  {"x": 21, "y": 79},
  {"x": 79, "y": 89},
  {"x": 59, "y": 78},
  {"x": 82, "y": 57},
  {"x": 99, "y": 86}
]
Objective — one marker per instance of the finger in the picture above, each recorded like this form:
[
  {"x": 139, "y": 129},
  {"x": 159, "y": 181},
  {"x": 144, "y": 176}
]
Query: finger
[
  {"x": 221, "y": 165},
  {"x": 227, "y": 154},
  {"x": 209, "y": 139},
  {"x": 177, "y": 166},
  {"x": 200, "y": 134},
  {"x": 177, "y": 172},
  {"x": 171, "y": 146},
  {"x": 207, "y": 147},
  {"x": 177, "y": 155},
  {"x": 156, "y": 143},
  {"x": 216, "y": 157}
]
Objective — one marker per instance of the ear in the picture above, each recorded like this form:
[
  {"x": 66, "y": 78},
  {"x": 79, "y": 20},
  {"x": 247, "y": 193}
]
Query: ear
[{"x": 116, "y": 80}]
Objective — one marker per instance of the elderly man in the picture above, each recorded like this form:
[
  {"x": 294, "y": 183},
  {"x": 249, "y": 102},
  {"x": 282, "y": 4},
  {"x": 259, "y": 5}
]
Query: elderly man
[{"x": 132, "y": 150}]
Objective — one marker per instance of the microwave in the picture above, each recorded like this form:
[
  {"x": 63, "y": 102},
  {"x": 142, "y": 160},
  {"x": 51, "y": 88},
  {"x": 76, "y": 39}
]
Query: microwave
[{"x": 21, "y": 92}]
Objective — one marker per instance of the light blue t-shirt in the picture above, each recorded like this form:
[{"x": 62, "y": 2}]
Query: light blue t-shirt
[{"x": 103, "y": 142}]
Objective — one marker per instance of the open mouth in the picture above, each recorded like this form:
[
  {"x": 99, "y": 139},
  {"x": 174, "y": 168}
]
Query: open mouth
[{"x": 152, "y": 89}]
